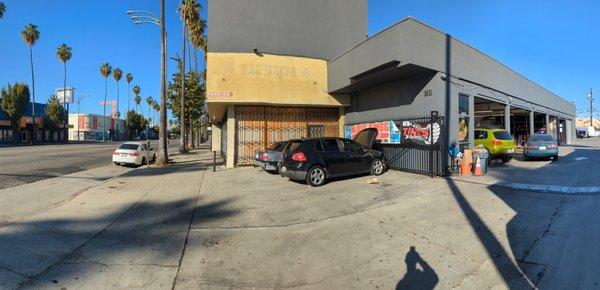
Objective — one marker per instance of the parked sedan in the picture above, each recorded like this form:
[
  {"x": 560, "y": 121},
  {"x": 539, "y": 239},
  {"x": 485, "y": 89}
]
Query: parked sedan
[
  {"x": 135, "y": 152},
  {"x": 269, "y": 158},
  {"x": 541, "y": 146},
  {"x": 318, "y": 159}
]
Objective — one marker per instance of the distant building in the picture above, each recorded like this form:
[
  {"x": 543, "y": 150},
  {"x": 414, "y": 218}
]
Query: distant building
[
  {"x": 90, "y": 127},
  {"x": 585, "y": 122},
  {"x": 25, "y": 130}
]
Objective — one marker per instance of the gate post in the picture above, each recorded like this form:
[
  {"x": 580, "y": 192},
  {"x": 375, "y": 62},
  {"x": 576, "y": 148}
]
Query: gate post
[{"x": 432, "y": 117}]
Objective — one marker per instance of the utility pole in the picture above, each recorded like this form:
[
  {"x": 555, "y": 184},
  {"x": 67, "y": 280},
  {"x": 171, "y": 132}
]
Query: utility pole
[{"x": 591, "y": 98}]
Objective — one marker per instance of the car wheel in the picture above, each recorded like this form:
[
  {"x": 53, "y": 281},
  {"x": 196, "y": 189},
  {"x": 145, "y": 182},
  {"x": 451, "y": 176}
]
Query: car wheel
[
  {"x": 377, "y": 167},
  {"x": 505, "y": 159},
  {"x": 117, "y": 164},
  {"x": 527, "y": 158},
  {"x": 555, "y": 158},
  {"x": 316, "y": 176}
]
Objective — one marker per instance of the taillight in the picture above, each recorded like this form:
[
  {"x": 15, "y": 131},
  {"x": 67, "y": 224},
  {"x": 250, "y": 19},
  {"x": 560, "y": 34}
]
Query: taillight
[
  {"x": 115, "y": 153},
  {"x": 299, "y": 157},
  {"x": 532, "y": 147},
  {"x": 135, "y": 153},
  {"x": 552, "y": 146},
  {"x": 264, "y": 157},
  {"x": 496, "y": 142}
]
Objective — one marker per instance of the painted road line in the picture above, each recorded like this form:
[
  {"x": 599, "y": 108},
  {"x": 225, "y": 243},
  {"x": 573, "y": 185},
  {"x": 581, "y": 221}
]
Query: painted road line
[{"x": 575, "y": 190}]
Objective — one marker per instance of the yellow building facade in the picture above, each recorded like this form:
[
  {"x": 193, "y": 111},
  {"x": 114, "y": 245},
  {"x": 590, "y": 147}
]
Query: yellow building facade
[{"x": 256, "y": 99}]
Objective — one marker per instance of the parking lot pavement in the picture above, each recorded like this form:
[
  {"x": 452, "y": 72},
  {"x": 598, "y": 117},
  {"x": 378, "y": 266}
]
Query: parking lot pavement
[
  {"x": 574, "y": 172},
  {"x": 260, "y": 230}
]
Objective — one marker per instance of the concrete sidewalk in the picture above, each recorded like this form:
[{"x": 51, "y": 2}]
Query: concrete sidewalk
[{"x": 127, "y": 232}]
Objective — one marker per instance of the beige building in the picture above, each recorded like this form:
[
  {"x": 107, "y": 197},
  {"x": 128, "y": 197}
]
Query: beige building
[{"x": 90, "y": 127}]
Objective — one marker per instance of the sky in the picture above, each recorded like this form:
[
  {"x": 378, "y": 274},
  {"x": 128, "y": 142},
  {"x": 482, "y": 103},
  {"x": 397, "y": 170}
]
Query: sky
[{"x": 553, "y": 43}]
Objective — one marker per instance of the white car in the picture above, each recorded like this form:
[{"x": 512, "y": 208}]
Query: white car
[{"x": 133, "y": 153}]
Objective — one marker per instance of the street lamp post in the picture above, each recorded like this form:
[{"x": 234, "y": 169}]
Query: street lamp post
[
  {"x": 146, "y": 17},
  {"x": 79, "y": 101}
]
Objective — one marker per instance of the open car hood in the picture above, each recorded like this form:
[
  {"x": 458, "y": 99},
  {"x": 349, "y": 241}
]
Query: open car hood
[{"x": 366, "y": 137}]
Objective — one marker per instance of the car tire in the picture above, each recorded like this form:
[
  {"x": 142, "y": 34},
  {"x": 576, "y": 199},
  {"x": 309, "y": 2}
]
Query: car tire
[
  {"x": 527, "y": 158},
  {"x": 505, "y": 159},
  {"x": 377, "y": 167},
  {"x": 117, "y": 163},
  {"x": 316, "y": 176},
  {"x": 555, "y": 158}
]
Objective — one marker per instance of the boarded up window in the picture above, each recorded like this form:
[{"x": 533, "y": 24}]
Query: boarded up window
[{"x": 258, "y": 127}]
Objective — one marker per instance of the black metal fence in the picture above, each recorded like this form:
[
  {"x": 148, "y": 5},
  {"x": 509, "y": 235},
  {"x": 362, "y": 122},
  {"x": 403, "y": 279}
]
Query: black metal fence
[{"x": 422, "y": 147}]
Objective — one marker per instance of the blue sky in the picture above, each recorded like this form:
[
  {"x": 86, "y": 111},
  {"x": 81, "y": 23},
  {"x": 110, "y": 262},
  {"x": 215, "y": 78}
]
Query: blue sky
[{"x": 550, "y": 42}]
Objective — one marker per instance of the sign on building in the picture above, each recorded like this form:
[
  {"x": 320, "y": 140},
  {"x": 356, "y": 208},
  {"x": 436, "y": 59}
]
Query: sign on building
[{"x": 387, "y": 132}]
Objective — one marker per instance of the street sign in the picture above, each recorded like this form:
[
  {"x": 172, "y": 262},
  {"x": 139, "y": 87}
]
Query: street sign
[{"x": 68, "y": 97}]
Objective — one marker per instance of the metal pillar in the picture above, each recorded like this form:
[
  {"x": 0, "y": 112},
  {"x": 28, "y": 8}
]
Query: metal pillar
[
  {"x": 548, "y": 124},
  {"x": 507, "y": 117},
  {"x": 531, "y": 123}
]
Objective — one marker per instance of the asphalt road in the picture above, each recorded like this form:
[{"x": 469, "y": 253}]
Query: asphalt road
[{"x": 25, "y": 164}]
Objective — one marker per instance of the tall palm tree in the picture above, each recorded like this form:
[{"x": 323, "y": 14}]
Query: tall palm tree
[
  {"x": 2, "y": 9},
  {"x": 63, "y": 53},
  {"x": 138, "y": 98},
  {"x": 163, "y": 154},
  {"x": 105, "y": 71},
  {"x": 30, "y": 36},
  {"x": 198, "y": 39},
  {"x": 149, "y": 101},
  {"x": 189, "y": 12},
  {"x": 128, "y": 79},
  {"x": 117, "y": 74}
]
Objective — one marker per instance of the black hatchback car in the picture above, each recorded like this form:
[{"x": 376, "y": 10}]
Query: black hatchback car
[{"x": 315, "y": 160}]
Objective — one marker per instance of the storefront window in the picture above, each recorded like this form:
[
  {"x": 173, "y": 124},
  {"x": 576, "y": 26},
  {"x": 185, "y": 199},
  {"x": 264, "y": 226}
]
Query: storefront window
[{"x": 463, "y": 104}]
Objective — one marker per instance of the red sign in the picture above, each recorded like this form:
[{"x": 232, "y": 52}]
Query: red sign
[{"x": 220, "y": 94}]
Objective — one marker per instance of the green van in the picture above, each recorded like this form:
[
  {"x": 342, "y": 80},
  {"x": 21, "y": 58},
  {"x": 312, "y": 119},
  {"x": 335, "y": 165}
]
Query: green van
[{"x": 498, "y": 142}]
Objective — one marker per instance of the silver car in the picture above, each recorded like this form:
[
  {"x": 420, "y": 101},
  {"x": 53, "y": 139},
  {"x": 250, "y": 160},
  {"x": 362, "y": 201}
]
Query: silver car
[{"x": 269, "y": 158}]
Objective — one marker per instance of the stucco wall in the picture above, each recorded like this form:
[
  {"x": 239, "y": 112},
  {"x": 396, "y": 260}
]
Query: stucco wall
[
  {"x": 313, "y": 28},
  {"x": 248, "y": 78},
  {"x": 412, "y": 42}
]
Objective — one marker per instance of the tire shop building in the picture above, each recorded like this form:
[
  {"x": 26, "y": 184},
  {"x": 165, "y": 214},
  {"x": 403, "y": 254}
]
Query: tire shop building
[{"x": 287, "y": 69}]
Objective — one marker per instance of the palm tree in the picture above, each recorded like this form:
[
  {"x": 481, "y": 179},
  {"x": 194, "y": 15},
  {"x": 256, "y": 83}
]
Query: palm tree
[
  {"x": 117, "y": 74},
  {"x": 30, "y": 36},
  {"x": 63, "y": 53},
  {"x": 198, "y": 39},
  {"x": 163, "y": 154},
  {"x": 128, "y": 79},
  {"x": 149, "y": 101},
  {"x": 105, "y": 71},
  {"x": 2, "y": 9},
  {"x": 137, "y": 99}
]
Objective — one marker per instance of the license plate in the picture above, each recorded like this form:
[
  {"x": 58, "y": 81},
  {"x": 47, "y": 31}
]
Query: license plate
[
  {"x": 282, "y": 169},
  {"x": 123, "y": 154},
  {"x": 510, "y": 150},
  {"x": 542, "y": 147}
]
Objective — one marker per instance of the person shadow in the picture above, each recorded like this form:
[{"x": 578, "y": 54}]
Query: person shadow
[{"x": 421, "y": 278}]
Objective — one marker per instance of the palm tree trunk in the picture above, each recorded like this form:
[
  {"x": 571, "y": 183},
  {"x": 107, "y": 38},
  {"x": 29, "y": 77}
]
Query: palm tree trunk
[
  {"x": 104, "y": 110},
  {"x": 33, "y": 94},
  {"x": 189, "y": 51},
  {"x": 65, "y": 96},
  {"x": 128, "y": 102},
  {"x": 182, "y": 142},
  {"x": 196, "y": 59},
  {"x": 117, "y": 120},
  {"x": 163, "y": 155}
]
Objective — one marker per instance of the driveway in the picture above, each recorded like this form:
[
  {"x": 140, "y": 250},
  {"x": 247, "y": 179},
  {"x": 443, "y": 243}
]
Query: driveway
[{"x": 259, "y": 230}]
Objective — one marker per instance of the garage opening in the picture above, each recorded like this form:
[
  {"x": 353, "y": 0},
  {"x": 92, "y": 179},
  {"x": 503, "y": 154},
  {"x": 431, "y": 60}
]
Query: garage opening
[
  {"x": 519, "y": 125},
  {"x": 539, "y": 123},
  {"x": 489, "y": 114}
]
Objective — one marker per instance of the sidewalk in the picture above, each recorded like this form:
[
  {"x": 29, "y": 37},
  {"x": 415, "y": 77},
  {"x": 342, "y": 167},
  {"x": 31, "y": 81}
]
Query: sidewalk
[{"x": 127, "y": 232}]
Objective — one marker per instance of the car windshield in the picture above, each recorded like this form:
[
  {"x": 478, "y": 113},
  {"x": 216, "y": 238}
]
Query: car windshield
[
  {"x": 502, "y": 135},
  {"x": 129, "y": 146},
  {"x": 542, "y": 137}
]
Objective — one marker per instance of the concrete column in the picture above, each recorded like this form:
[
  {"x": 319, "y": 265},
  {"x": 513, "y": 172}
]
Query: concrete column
[
  {"x": 230, "y": 136},
  {"x": 547, "y": 124},
  {"x": 507, "y": 117},
  {"x": 342, "y": 122},
  {"x": 531, "y": 123},
  {"x": 216, "y": 138}
]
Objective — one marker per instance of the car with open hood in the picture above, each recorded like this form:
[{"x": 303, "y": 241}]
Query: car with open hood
[{"x": 317, "y": 159}]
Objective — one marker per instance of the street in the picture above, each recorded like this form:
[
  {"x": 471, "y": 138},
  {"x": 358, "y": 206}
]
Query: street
[
  {"x": 26, "y": 164},
  {"x": 524, "y": 225}
]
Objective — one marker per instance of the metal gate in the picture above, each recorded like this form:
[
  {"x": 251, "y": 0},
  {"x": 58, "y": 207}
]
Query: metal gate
[
  {"x": 422, "y": 147},
  {"x": 258, "y": 127}
]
